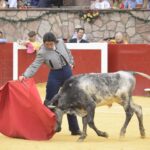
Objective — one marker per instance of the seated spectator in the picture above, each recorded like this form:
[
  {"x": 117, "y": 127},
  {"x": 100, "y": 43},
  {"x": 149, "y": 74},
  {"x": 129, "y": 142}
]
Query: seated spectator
[
  {"x": 132, "y": 4},
  {"x": 146, "y": 4},
  {"x": 2, "y": 38},
  {"x": 22, "y": 4},
  {"x": 139, "y": 3},
  {"x": 58, "y": 3},
  {"x": 119, "y": 39},
  {"x": 79, "y": 38},
  {"x": 100, "y": 4},
  {"x": 27, "y": 3},
  {"x": 118, "y": 4},
  {"x": 31, "y": 44},
  {"x": 45, "y": 3},
  {"x": 2, "y": 4},
  {"x": 12, "y": 3},
  {"x": 34, "y": 3},
  {"x": 75, "y": 33}
]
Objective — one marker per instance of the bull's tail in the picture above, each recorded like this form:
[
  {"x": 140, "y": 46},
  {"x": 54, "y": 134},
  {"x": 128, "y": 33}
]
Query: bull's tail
[{"x": 142, "y": 74}]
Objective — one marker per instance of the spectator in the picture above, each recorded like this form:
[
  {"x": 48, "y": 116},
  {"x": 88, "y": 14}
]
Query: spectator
[
  {"x": 58, "y": 3},
  {"x": 21, "y": 4},
  {"x": 45, "y": 3},
  {"x": 118, "y": 4},
  {"x": 2, "y": 4},
  {"x": 32, "y": 44},
  {"x": 79, "y": 38},
  {"x": 146, "y": 4},
  {"x": 12, "y": 3},
  {"x": 119, "y": 39},
  {"x": 75, "y": 33},
  {"x": 132, "y": 4},
  {"x": 139, "y": 3},
  {"x": 2, "y": 38},
  {"x": 54, "y": 53},
  {"x": 100, "y": 4},
  {"x": 34, "y": 3}
]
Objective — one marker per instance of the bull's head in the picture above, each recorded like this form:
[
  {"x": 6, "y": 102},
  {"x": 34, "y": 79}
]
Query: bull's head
[{"x": 59, "y": 115}]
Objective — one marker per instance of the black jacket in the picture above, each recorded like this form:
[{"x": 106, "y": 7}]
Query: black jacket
[
  {"x": 75, "y": 41},
  {"x": 45, "y": 3}
]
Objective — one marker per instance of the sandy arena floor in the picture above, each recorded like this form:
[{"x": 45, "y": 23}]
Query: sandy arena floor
[{"x": 106, "y": 119}]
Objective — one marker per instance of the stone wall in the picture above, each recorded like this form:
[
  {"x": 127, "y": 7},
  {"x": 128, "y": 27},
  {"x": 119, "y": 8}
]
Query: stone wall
[{"x": 17, "y": 23}]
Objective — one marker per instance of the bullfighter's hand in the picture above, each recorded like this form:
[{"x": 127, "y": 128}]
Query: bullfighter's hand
[
  {"x": 72, "y": 66},
  {"x": 21, "y": 78}
]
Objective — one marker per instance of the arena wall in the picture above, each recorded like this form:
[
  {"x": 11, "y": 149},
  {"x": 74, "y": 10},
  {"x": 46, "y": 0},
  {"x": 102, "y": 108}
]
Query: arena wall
[{"x": 131, "y": 57}]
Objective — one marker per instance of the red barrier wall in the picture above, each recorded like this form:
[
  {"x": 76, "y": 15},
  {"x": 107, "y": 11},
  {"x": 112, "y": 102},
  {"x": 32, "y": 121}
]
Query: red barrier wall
[
  {"x": 133, "y": 57},
  {"x": 83, "y": 63},
  {"x": 6, "y": 62},
  {"x": 87, "y": 61}
]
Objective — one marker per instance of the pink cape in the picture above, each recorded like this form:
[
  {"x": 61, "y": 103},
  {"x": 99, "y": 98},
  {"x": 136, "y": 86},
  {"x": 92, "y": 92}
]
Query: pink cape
[{"x": 22, "y": 114}]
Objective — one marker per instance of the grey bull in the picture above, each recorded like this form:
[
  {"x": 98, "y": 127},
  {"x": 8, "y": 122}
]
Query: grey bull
[{"x": 81, "y": 94}]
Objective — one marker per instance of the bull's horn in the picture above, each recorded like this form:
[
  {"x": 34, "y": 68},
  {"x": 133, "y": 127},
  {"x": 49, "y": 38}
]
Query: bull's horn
[{"x": 51, "y": 106}]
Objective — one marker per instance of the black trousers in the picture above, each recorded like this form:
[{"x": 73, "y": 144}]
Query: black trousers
[
  {"x": 59, "y": 3},
  {"x": 48, "y": 3},
  {"x": 45, "y": 3}
]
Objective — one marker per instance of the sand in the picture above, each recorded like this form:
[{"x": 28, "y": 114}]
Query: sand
[{"x": 106, "y": 119}]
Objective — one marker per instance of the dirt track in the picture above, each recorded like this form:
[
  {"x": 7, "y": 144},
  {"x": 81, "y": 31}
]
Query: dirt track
[{"x": 107, "y": 119}]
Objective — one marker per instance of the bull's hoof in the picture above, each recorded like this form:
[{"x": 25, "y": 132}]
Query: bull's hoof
[
  {"x": 143, "y": 135},
  {"x": 81, "y": 138},
  {"x": 122, "y": 133},
  {"x": 103, "y": 134},
  {"x": 58, "y": 129},
  {"x": 121, "y": 137}
]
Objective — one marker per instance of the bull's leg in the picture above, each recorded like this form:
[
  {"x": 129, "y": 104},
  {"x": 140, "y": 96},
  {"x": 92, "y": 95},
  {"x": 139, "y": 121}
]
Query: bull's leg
[
  {"x": 84, "y": 133},
  {"x": 90, "y": 119},
  {"x": 138, "y": 111},
  {"x": 129, "y": 114},
  {"x": 59, "y": 116},
  {"x": 131, "y": 108}
]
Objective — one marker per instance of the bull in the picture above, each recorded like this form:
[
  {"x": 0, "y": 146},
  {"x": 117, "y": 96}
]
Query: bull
[{"x": 81, "y": 94}]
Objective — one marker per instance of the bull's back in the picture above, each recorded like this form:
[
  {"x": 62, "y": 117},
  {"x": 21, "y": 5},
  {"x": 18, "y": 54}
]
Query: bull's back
[
  {"x": 104, "y": 88},
  {"x": 108, "y": 87}
]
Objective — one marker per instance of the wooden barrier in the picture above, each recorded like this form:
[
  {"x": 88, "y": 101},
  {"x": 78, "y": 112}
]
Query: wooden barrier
[
  {"x": 6, "y": 62},
  {"x": 83, "y": 63},
  {"x": 134, "y": 57}
]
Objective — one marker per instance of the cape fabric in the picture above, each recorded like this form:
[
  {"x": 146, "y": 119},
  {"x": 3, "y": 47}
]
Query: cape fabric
[{"x": 22, "y": 114}]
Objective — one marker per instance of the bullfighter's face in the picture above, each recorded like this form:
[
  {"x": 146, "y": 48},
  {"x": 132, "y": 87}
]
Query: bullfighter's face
[{"x": 49, "y": 44}]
